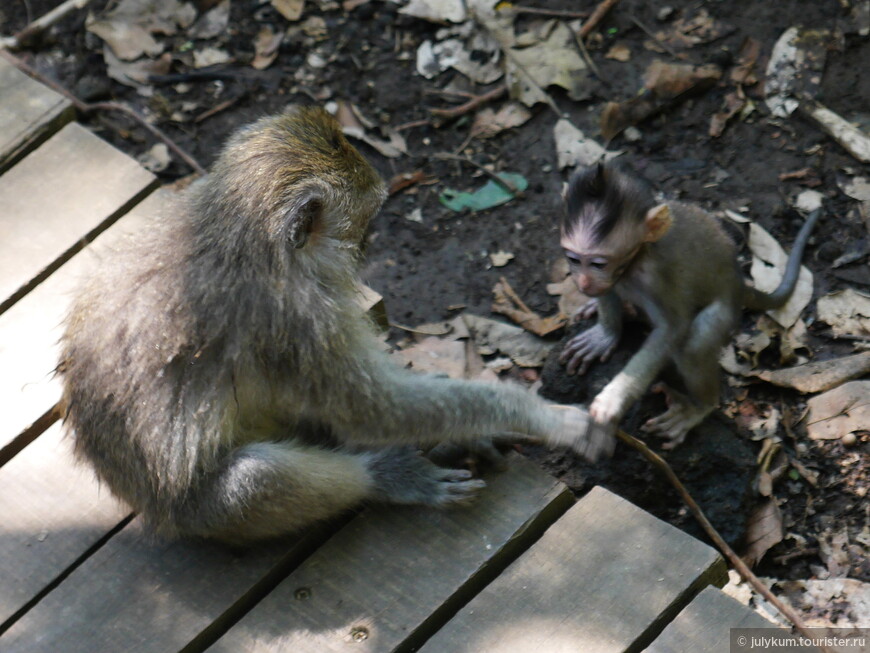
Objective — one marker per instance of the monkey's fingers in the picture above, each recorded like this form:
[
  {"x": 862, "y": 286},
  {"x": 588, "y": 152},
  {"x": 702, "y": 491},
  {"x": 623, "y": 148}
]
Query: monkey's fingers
[
  {"x": 608, "y": 353},
  {"x": 579, "y": 362},
  {"x": 587, "y": 311},
  {"x": 456, "y": 491}
]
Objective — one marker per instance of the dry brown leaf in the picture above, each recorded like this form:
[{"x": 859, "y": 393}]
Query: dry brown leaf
[
  {"x": 686, "y": 33},
  {"x": 492, "y": 336},
  {"x": 135, "y": 73},
  {"x": 210, "y": 56},
  {"x": 507, "y": 303},
  {"x": 500, "y": 259},
  {"x": 356, "y": 125},
  {"x": 733, "y": 104},
  {"x": 751, "y": 345},
  {"x": 664, "y": 84},
  {"x": 840, "y": 411},
  {"x": 405, "y": 180},
  {"x": 763, "y": 531},
  {"x": 768, "y": 263},
  {"x": 128, "y": 27},
  {"x": 266, "y": 45},
  {"x": 833, "y": 550},
  {"x": 290, "y": 9},
  {"x": 847, "y": 311},
  {"x": 212, "y": 23},
  {"x": 744, "y": 71},
  {"x": 430, "y": 329},
  {"x": 488, "y": 123},
  {"x": 819, "y": 376},
  {"x": 619, "y": 52}
]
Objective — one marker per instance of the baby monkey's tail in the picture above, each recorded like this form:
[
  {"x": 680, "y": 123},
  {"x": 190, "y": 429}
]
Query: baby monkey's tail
[{"x": 757, "y": 300}]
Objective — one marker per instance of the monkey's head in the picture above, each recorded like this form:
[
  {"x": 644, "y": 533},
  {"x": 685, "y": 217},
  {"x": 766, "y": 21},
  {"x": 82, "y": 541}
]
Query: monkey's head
[
  {"x": 609, "y": 216},
  {"x": 293, "y": 181}
]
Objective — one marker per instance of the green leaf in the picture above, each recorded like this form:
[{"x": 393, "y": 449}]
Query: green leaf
[{"x": 487, "y": 196}]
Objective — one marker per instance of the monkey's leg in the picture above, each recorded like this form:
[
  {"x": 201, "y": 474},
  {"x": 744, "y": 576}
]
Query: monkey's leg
[
  {"x": 698, "y": 365},
  {"x": 267, "y": 489}
]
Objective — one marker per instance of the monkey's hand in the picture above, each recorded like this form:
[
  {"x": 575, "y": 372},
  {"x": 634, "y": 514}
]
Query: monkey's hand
[
  {"x": 578, "y": 431},
  {"x": 606, "y": 411},
  {"x": 594, "y": 343},
  {"x": 401, "y": 475},
  {"x": 586, "y": 312}
]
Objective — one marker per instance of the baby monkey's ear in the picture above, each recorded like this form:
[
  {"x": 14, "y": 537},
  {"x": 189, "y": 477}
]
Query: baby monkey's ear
[
  {"x": 657, "y": 221},
  {"x": 302, "y": 218}
]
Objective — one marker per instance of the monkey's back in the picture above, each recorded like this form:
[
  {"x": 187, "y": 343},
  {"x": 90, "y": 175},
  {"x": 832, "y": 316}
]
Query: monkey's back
[
  {"x": 698, "y": 259},
  {"x": 134, "y": 370}
]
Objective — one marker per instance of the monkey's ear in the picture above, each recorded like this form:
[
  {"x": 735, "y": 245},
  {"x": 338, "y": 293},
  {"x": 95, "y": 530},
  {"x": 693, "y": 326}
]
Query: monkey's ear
[
  {"x": 657, "y": 221},
  {"x": 301, "y": 220}
]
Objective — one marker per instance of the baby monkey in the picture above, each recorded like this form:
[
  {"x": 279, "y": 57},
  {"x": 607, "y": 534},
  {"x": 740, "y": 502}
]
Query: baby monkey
[
  {"x": 221, "y": 377},
  {"x": 678, "y": 267}
]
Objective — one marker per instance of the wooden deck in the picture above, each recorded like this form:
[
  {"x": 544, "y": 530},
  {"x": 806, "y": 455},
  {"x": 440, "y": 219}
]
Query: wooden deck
[{"x": 526, "y": 568}]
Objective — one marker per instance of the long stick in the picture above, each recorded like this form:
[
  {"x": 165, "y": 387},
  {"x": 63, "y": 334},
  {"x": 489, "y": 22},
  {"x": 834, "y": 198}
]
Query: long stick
[
  {"x": 732, "y": 557},
  {"x": 42, "y": 23},
  {"x": 596, "y": 17},
  {"x": 89, "y": 107}
]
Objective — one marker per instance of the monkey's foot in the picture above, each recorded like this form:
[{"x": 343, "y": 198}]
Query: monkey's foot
[
  {"x": 675, "y": 423},
  {"x": 401, "y": 475}
]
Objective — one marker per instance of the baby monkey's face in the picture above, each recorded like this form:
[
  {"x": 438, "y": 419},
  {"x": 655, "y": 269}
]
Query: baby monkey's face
[{"x": 597, "y": 266}]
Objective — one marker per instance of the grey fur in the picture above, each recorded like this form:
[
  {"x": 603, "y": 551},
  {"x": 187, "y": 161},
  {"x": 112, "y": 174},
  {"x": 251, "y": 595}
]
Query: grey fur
[{"x": 221, "y": 378}]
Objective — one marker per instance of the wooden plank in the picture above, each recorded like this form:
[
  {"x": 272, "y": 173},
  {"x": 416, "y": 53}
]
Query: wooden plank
[
  {"x": 56, "y": 199},
  {"x": 394, "y": 575},
  {"x": 51, "y": 512},
  {"x": 604, "y": 578},
  {"x": 704, "y": 626},
  {"x": 30, "y": 330},
  {"x": 139, "y": 594},
  {"x": 29, "y": 113}
]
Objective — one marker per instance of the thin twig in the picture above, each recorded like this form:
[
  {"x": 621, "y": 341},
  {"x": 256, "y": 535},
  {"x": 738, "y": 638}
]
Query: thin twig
[
  {"x": 90, "y": 107},
  {"x": 556, "y": 13},
  {"x": 471, "y": 105},
  {"x": 729, "y": 553},
  {"x": 208, "y": 113},
  {"x": 646, "y": 30},
  {"x": 585, "y": 54},
  {"x": 42, "y": 23},
  {"x": 446, "y": 93},
  {"x": 592, "y": 22},
  {"x": 509, "y": 187},
  {"x": 412, "y": 125},
  {"x": 513, "y": 296}
]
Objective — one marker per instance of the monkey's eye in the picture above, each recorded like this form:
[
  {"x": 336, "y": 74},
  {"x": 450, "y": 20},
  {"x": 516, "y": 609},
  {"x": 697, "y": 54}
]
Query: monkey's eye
[
  {"x": 573, "y": 259},
  {"x": 598, "y": 264}
]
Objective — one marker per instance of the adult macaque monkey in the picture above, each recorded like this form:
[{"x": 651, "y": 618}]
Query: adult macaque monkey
[
  {"x": 676, "y": 265},
  {"x": 221, "y": 378}
]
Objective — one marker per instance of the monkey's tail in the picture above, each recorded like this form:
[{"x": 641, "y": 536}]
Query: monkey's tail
[{"x": 757, "y": 300}]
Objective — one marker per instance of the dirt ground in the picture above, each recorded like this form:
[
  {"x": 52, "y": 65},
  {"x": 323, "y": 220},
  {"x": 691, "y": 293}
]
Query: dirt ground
[{"x": 429, "y": 270}]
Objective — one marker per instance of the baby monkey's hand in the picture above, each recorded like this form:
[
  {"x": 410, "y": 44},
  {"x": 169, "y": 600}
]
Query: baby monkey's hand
[{"x": 594, "y": 343}]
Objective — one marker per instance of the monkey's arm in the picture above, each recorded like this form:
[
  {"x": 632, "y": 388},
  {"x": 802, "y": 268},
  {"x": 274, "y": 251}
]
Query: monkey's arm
[
  {"x": 398, "y": 406},
  {"x": 628, "y": 386},
  {"x": 597, "y": 342}
]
